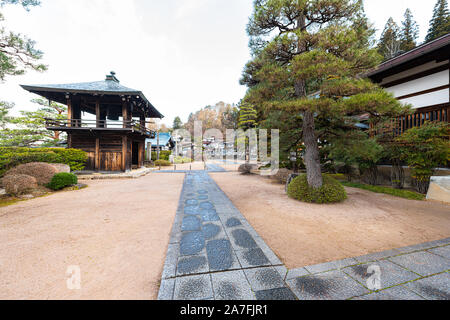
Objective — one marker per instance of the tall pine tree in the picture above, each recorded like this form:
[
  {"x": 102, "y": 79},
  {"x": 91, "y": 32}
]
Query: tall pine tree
[
  {"x": 440, "y": 23},
  {"x": 389, "y": 44},
  {"x": 308, "y": 61},
  {"x": 409, "y": 32},
  {"x": 247, "y": 116}
]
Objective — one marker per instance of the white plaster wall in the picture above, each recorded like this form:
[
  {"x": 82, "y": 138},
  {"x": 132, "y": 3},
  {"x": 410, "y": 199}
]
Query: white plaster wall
[
  {"x": 429, "y": 99},
  {"x": 421, "y": 84}
]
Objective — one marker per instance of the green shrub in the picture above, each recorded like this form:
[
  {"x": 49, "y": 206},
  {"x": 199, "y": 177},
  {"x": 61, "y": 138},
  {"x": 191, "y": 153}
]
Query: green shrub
[
  {"x": 330, "y": 192},
  {"x": 62, "y": 180},
  {"x": 181, "y": 160},
  {"x": 12, "y": 157},
  {"x": 162, "y": 163},
  {"x": 163, "y": 155}
]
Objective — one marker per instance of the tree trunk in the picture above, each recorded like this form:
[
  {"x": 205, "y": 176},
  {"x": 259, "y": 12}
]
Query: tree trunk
[{"x": 312, "y": 159}]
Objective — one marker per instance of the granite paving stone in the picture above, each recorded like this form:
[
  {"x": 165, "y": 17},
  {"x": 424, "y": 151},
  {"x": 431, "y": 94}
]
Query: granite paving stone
[
  {"x": 233, "y": 222},
  {"x": 276, "y": 294},
  {"x": 441, "y": 251},
  {"x": 192, "y": 243},
  {"x": 196, "y": 287},
  {"x": 231, "y": 285},
  {"x": 166, "y": 289},
  {"x": 243, "y": 239},
  {"x": 377, "y": 256},
  {"x": 390, "y": 274},
  {"x": 252, "y": 258},
  {"x": 191, "y": 223},
  {"x": 423, "y": 262},
  {"x": 332, "y": 285},
  {"x": 264, "y": 278},
  {"x": 394, "y": 293},
  {"x": 211, "y": 231},
  {"x": 436, "y": 287},
  {"x": 192, "y": 265},
  {"x": 296, "y": 273}
]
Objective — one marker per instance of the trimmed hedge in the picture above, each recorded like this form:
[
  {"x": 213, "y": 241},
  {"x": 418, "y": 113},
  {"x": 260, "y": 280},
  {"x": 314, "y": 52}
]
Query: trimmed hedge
[
  {"x": 62, "y": 180},
  {"x": 12, "y": 157},
  {"x": 19, "y": 184},
  {"x": 330, "y": 192},
  {"x": 162, "y": 163},
  {"x": 163, "y": 155}
]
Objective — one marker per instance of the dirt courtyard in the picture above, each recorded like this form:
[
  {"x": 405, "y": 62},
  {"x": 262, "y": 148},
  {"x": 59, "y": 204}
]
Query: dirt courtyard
[
  {"x": 116, "y": 231},
  {"x": 304, "y": 234}
]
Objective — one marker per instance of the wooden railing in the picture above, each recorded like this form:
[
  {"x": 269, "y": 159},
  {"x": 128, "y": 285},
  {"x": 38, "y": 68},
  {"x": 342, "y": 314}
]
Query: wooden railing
[
  {"x": 399, "y": 125},
  {"x": 98, "y": 124}
]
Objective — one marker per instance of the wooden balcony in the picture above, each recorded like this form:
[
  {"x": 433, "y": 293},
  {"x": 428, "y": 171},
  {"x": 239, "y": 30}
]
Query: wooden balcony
[
  {"x": 98, "y": 125},
  {"x": 399, "y": 125}
]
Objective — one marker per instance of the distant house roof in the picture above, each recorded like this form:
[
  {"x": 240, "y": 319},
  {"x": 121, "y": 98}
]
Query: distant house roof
[
  {"x": 165, "y": 138},
  {"x": 110, "y": 86},
  {"x": 435, "y": 50}
]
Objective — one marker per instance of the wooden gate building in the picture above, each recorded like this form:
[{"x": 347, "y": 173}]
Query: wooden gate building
[{"x": 114, "y": 136}]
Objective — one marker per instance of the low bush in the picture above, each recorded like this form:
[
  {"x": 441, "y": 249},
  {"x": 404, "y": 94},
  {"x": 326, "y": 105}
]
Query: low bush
[
  {"x": 162, "y": 163},
  {"x": 246, "y": 168},
  {"x": 330, "y": 192},
  {"x": 181, "y": 160},
  {"x": 19, "y": 184},
  {"x": 42, "y": 172},
  {"x": 13, "y": 156},
  {"x": 62, "y": 180},
  {"x": 163, "y": 155}
]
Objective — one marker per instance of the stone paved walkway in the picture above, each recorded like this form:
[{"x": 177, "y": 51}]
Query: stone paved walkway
[{"x": 215, "y": 254}]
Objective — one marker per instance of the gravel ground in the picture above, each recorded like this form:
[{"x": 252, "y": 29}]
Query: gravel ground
[{"x": 115, "y": 231}]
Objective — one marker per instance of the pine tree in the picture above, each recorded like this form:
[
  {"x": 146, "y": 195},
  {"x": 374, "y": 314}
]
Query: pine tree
[
  {"x": 440, "y": 23},
  {"x": 409, "y": 32},
  {"x": 389, "y": 44},
  {"x": 177, "y": 123},
  {"x": 17, "y": 53},
  {"x": 313, "y": 53}
]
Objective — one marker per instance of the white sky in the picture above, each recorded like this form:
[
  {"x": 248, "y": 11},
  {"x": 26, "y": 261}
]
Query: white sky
[{"x": 183, "y": 54}]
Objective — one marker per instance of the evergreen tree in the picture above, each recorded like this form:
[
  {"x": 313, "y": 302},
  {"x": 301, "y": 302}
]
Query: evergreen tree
[
  {"x": 313, "y": 54},
  {"x": 177, "y": 123},
  {"x": 409, "y": 32},
  {"x": 29, "y": 129},
  {"x": 389, "y": 44},
  {"x": 440, "y": 23},
  {"x": 17, "y": 53}
]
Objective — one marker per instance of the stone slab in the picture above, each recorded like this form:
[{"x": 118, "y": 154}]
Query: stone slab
[
  {"x": 423, "y": 263},
  {"x": 433, "y": 288},
  {"x": 390, "y": 274},
  {"x": 197, "y": 287},
  {"x": 231, "y": 285},
  {"x": 332, "y": 285},
  {"x": 264, "y": 278},
  {"x": 394, "y": 293}
]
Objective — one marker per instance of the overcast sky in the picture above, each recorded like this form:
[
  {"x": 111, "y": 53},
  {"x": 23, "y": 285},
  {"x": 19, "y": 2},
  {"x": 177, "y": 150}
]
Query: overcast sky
[{"x": 183, "y": 54}]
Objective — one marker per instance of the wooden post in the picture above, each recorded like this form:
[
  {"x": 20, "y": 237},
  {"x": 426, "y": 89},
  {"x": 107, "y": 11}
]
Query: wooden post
[
  {"x": 125, "y": 114},
  {"x": 69, "y": 112},
  {"x": 97, "y": 153},
  {"x": 124, "y": 153},
  {"x": 141, "y": 154},
  {"x": 97, "y": 112}
]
